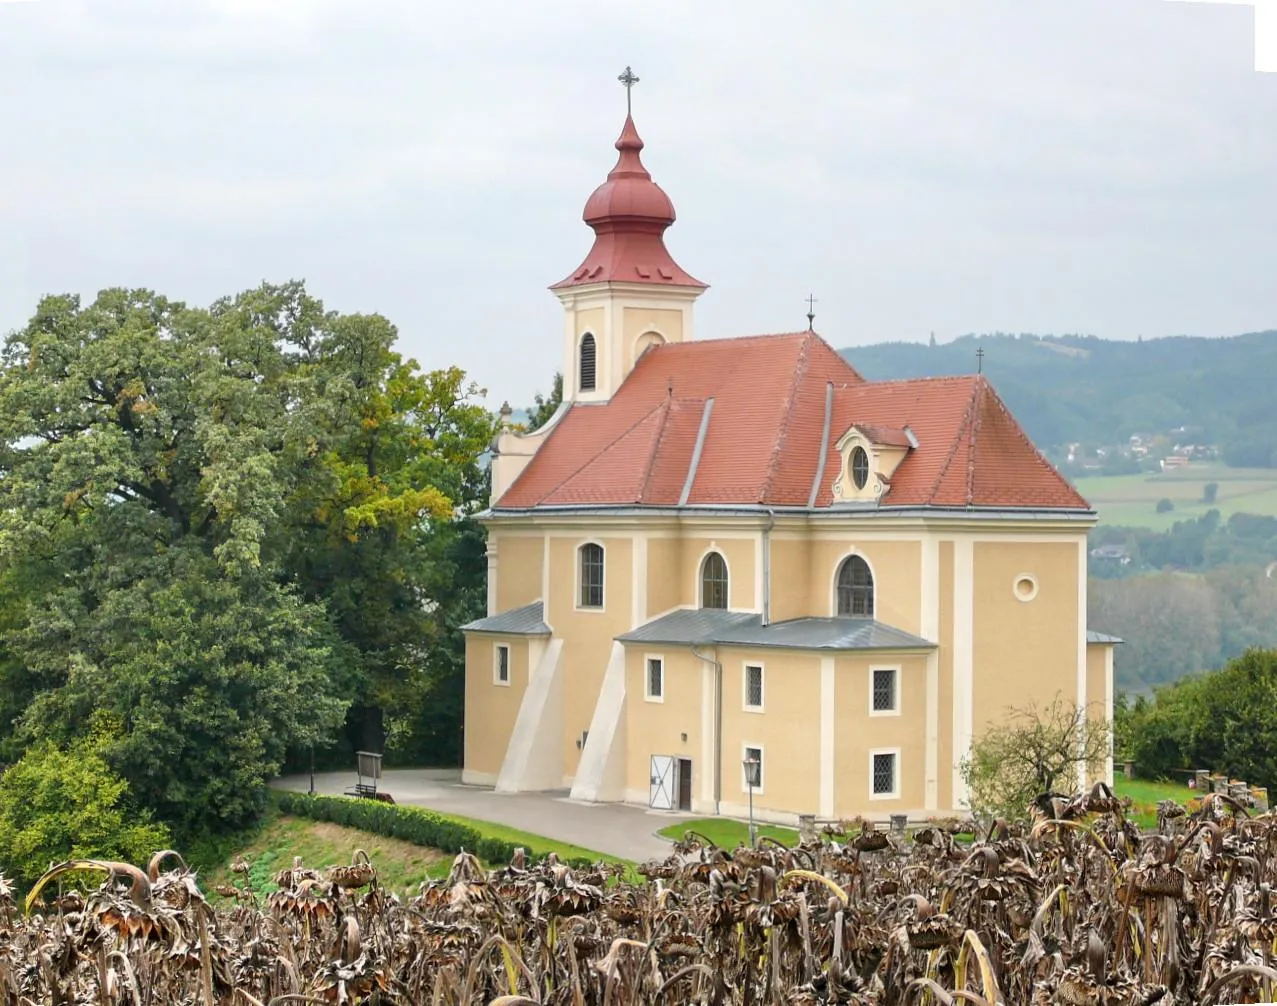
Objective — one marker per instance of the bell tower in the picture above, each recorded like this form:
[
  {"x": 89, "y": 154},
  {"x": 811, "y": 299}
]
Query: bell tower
[{"x": 629, "y": 294}]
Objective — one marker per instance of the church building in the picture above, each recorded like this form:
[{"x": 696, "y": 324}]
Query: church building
[{"x": 733, "y": 567}]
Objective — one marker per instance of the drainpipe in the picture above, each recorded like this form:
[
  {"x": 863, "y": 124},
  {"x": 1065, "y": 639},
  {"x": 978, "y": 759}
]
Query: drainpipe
[
  {"x": 767, "y": 566},
  {"x": 718, "y": 726}
]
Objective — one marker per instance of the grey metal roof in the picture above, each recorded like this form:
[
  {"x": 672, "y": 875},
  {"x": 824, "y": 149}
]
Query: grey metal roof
[
  {"x": 525, "y": 621},
  {"x": 690, "y": 627},
  {"x": 1100, "y": 637}
]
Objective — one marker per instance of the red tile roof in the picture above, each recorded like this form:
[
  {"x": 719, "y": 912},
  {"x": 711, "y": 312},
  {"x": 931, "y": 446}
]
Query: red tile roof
[{"x": 761, "y": 403}]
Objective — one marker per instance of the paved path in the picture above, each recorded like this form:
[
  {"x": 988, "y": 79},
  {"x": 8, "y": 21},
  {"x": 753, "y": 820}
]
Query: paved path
[{"x": 616, "y": 829}]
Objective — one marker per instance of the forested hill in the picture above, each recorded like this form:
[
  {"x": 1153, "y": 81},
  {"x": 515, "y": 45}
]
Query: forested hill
[{"x": 1067, "y": 389}]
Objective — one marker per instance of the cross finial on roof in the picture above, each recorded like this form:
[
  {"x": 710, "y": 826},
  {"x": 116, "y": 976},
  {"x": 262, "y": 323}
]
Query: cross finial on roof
[
  {"x": 629, "y": 80},
  {"x": 979, "y": 360},
  {"x": 811, "y": 312}
]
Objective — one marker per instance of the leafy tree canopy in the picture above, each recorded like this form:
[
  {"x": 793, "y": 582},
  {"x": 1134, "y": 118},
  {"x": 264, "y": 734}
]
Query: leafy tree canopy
[
  {"x": 58, "y": 804},
  {"x": 221, "y": 526}
]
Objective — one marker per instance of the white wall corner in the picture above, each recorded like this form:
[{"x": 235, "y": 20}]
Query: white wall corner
[
  {"x": 534, "y": 755},
  {"x": 963, "y": 659},
  {"x": 600, "y": 772},
  {"x": 929, "y": 622}
]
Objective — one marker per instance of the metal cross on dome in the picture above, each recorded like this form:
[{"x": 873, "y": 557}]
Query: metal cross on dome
[{"x": 629, "y": 80}]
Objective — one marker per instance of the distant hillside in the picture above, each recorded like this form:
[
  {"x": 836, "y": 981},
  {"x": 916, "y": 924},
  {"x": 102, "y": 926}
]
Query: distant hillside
[{"x": 1068, "y": 389}]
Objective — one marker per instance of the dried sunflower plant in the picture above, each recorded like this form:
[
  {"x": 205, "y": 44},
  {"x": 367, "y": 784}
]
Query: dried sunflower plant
[{"x": 1075, "y": 907}]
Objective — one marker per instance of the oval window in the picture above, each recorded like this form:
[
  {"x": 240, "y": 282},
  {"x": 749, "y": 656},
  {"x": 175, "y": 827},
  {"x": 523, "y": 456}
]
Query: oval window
[{"x": 859, "y": 467}]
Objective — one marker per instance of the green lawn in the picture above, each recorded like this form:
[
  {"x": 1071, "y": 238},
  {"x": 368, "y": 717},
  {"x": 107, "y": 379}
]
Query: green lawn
[
  {"x": 1146, "y": 795},
  {"x": 1132, "y": 499},
  {"x": 727, "y": 833},
  {"x": 532, "y": 843}
]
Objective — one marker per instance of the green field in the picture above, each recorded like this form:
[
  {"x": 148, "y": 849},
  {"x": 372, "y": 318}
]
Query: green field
[{"x": 1131, "y": 500}]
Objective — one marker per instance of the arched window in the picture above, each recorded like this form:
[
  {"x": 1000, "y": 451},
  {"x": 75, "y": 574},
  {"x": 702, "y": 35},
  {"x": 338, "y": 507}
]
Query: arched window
[
  {"x": 855, "y": 588},
  {"x": 714, "y": 581},
  {"x": 588, "y": 368},
  {"x": 591, "y": 576}
]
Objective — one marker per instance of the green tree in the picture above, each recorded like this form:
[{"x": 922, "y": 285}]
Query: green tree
[
  {"x": 1223, "y": 721},
  {"x": 58, "y": 804},
  {"x": 1164, "y": 505},
  {"x": 1210, "y": 492},
  {"x": 543, "y": 408},
  {"x": 1034, "y": 750},
  {"x": 234, "y": 516}
]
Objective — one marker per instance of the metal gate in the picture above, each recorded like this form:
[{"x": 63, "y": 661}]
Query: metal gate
[{"x": 662, "y": 795}]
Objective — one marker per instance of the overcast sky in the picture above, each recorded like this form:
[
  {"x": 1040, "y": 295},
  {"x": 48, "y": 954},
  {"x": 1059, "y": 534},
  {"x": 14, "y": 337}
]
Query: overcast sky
[{"x": 1100, "y": 166}]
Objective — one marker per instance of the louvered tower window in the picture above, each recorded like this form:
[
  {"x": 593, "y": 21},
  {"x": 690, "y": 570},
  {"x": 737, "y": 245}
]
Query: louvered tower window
[{"x": 589, "y": 353}]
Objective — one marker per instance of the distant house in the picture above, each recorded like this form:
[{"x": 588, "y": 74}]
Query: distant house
[
  {"x": 1112, "y": 553},
  {"x": 1174, "y": 461}
]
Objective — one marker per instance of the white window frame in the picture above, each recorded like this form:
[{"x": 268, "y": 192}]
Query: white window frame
[
  {"x": 744, "y": 685},
  {"x": 576, "y": 577},
  {"x": 762, "y": 768},
  {"x": 648, "y": 658},
  {"x": 895, "y": 791},
  {"x": 895, "y": 710},
  {"x": 699, "y": 586},
  {"x": 833, "y": 584},
  {"x": 497, "y": 649}
]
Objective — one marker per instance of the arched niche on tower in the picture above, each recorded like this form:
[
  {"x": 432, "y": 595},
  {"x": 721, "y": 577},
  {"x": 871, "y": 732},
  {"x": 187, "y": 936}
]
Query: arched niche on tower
[{"x": 646, "y": 341}]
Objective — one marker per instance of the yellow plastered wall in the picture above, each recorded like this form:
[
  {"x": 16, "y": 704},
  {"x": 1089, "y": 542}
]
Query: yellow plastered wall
[
  {"x": 739, "y": 554},
  {"x": 788, "y": 729},
  {"x": 791, "y": 578},
  {"x": 665, "y": 588},
  {"x": 857, "y": 734},
  {"x": 491, "y": 709},
  {"x": 945, "y": 754},
  {"x": 1023, "y": 651},
  {"x": 587, "y": 634},
  {"x": 659, "y": 728},
  {"x": 519, "y": 560},
  {"x": 1097, "y": 706},
  {"x": 1097, "y": 680},
  {"x": 897, "y": 572}
]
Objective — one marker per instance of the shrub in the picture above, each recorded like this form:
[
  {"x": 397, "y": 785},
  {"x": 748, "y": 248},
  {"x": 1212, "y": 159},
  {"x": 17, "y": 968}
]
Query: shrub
[
  {"x": 1164, "y": 505},
  {"x": 58, "y": 804},
  {"x": 410, "y": 824}
]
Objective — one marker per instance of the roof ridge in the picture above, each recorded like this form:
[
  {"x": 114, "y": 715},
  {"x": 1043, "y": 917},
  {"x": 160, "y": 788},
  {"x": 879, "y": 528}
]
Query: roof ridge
[
  {"x": 593, "y": 457},
  {"x": 977, "y": 400},
  {"x": 959, "y": 435},
  {"x": 935, "y": 379},
  {"x": 666, "y": 407},
  {"x": 782, "y": 432},
  {"x": 668, "y": 347}
]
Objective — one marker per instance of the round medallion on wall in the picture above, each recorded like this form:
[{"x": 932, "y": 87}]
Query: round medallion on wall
[
  {"x": 859, "y": 467},
  {"x": 1025, "y": 587}
]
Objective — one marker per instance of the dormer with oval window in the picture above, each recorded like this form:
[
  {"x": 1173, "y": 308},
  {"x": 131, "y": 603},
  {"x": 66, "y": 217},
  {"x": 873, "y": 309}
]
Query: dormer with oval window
[{"x": 870, "y": 456}]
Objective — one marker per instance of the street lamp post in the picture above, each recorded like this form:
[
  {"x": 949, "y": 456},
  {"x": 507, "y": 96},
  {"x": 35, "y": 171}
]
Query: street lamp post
[
  {"x": 751, "y": 780},
  {"x": 312, "y": 768}
]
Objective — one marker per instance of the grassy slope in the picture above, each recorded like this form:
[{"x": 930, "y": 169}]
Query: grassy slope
[
  {"x": 1131, "y": 499},
  {"x": 400, "y": 865}
]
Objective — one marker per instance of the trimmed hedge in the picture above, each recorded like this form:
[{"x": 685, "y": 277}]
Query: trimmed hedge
[{"x": 410, "y": 824}]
